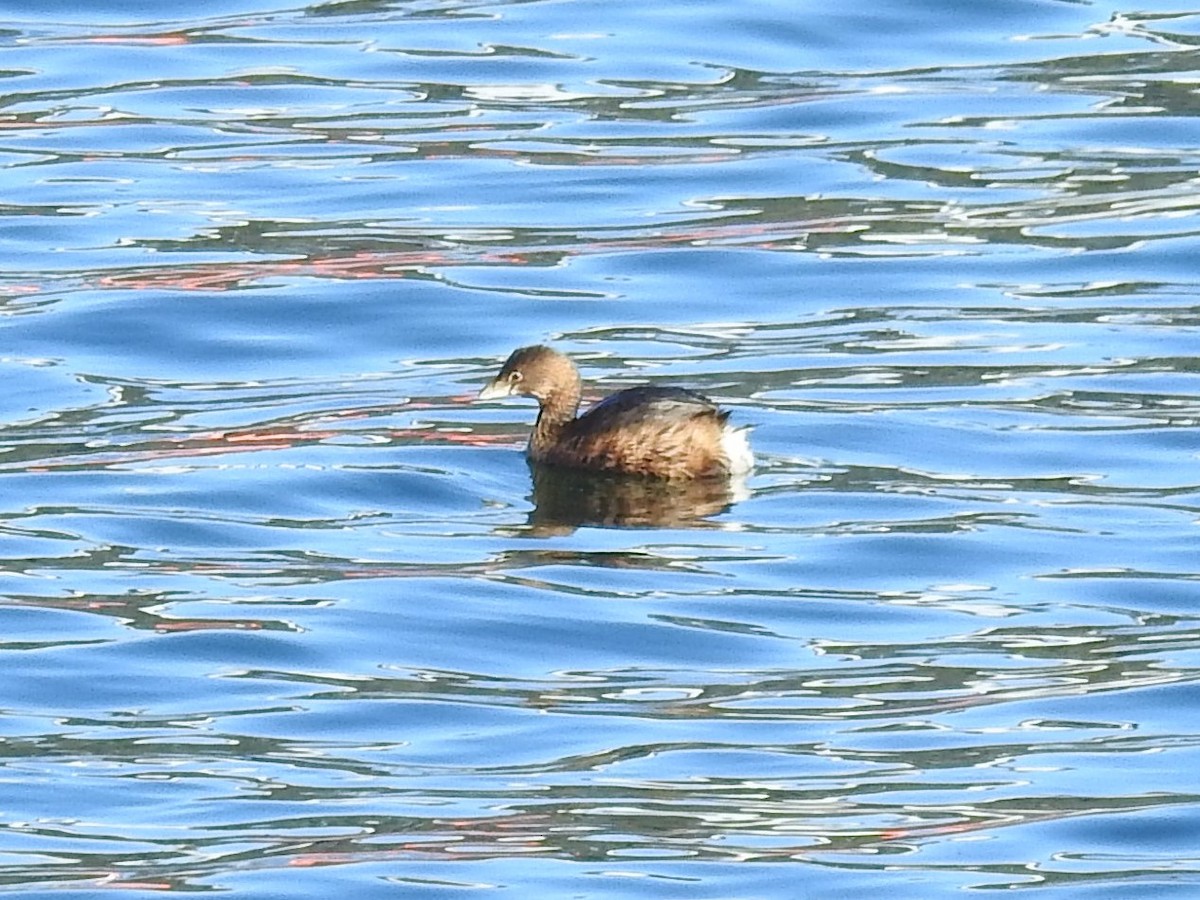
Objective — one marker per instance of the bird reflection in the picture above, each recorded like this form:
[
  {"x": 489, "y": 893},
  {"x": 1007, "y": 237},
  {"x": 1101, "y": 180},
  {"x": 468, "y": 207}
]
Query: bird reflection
[{"x": 565, "y": 499}]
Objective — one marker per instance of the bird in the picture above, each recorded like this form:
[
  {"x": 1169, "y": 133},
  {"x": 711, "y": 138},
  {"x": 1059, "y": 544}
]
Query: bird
[{"x": 657, "y": 432}]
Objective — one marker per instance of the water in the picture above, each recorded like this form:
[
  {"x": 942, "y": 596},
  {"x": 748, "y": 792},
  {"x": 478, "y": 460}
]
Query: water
[{"x": 284, "y": 612}]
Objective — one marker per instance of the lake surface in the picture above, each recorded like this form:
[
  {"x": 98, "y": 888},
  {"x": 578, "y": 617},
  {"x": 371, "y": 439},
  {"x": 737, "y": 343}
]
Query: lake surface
[{"x": 283, "y": 611}]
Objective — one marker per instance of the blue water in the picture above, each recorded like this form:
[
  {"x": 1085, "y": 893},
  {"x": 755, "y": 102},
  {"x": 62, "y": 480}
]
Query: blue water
[{"x": 283, "y": 611}]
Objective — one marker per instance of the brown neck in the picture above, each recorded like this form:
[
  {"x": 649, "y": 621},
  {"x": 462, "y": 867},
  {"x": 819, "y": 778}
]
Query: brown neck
[{"x": 557, "y": 410}]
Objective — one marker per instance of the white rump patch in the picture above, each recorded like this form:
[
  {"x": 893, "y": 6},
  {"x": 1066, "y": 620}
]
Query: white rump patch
[{"x": 735, "y": 443}]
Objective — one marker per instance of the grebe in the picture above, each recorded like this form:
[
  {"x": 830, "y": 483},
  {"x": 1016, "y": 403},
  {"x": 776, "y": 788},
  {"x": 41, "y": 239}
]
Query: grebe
[{"x": 658, "y": 432}]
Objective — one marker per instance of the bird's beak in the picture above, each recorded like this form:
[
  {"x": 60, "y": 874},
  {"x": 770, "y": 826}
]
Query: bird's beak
[{"x": 496, "y": 390}]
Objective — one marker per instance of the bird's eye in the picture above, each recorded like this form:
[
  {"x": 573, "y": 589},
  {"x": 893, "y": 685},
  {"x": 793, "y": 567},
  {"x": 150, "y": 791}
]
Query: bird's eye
[{"x": 514, "y": 377}]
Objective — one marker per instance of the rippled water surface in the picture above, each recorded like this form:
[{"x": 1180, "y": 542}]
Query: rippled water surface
[{"x": 284, "y": 612}]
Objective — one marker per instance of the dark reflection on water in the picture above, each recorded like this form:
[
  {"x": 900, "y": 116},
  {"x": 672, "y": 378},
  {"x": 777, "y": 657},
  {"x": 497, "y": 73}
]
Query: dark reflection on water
[{"x": 564, "y": 500}]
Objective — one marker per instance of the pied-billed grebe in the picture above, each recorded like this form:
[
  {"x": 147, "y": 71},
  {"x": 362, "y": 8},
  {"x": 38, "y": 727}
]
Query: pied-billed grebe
[{"x": 661, "y": 432}]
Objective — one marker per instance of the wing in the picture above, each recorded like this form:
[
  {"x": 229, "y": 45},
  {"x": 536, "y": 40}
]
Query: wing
[
  {"x": 638, "y": 407},
  {"x": 662, "y": 432}
]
